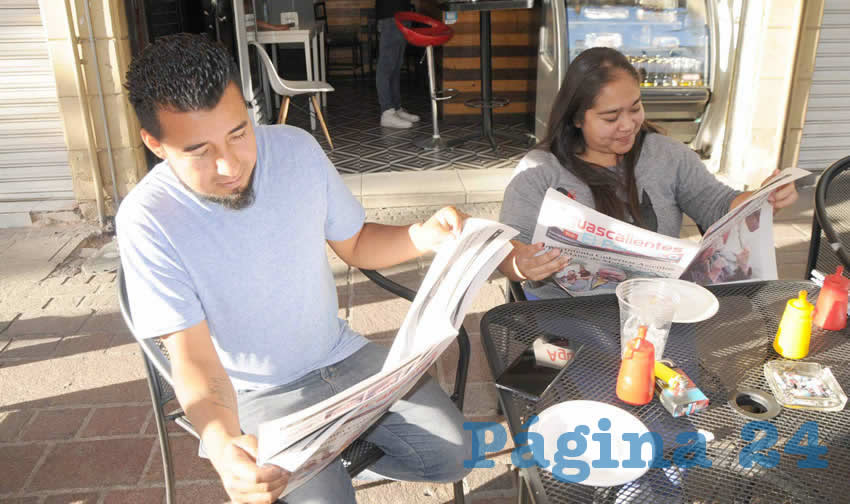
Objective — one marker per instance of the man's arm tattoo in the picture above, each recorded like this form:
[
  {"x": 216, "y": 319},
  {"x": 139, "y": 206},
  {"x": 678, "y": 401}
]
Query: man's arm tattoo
[{"x": 222, "y": 392}]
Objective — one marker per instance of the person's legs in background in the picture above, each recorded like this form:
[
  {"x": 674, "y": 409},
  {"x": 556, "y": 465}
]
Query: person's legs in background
[
  {"x": 396, "y": 86},
  {"x": 387, "y": 75}
]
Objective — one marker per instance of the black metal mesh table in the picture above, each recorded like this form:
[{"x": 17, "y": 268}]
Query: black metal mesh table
[{"x": 721, "y": 355}]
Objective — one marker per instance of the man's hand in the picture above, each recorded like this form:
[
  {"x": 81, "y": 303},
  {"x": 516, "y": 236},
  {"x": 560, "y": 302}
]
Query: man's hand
[
  {"x": 244, "y": 482},
  {"x": 527, "y": 264},
  {"x": 445, "y": 224},
  {"x": 782, "y": 196}
]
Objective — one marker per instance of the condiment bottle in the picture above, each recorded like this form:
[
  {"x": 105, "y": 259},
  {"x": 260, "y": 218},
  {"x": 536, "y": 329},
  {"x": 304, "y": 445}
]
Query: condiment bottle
[
  {"x": 795, "y": 328},
  {"x": 636, "y": 381},
  {"x": 831, "y": 309}
]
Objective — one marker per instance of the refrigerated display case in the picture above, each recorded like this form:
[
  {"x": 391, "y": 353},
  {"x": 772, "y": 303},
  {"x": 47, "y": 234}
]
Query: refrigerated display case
[{"x": 682, "y": 49}]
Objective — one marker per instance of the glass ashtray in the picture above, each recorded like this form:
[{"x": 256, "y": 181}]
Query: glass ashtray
[{"x": 804, "y": 385}]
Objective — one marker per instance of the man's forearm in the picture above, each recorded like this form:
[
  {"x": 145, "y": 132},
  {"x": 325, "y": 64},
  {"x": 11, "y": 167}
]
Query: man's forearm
[
  {"x": 380, "y": 246},
  {"x": 209, "y": 401}
]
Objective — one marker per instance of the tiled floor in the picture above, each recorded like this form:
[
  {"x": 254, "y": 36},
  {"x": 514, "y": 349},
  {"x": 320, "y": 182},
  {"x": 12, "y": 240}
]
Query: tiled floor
[{"x": 361, "y": 145}]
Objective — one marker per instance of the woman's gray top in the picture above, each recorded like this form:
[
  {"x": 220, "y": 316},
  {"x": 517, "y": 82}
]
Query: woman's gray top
[{"x": 668, "y": 173}]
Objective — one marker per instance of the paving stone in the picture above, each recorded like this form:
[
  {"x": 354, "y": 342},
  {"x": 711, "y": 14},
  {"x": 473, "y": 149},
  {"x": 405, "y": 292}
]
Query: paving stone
[
  {"x": 480, "y": 399},
  {"x": 35, "y": 249},
  {"x": 127, "y": 392},
  {"x": 485, "y": 480},
  {"x": 65, "y": 301},
  {"x": 16, "y": 464},
  {"x": 378, "y": 320},
  {"x": 201, "y": 493},
  {"x": 81, "y": 343},
  {"x": 72, "y": 498},
  {"x": 30, "y": 347},
  {"x": 21, "y": 500},
  {"x": 105, "y": 321},
  {"x": 171, "y": 427},
  {"x": 106, "y": 300},
  {"x": 117, "y": 420},
  {"x": 49, "y": 322},
  {"x": 479, "y": 369},
  {"x": 394, "y": 492},
  {"x": 120, "y": 339},
  {"x": 11, "y": 423},
  {"x": 187, "y": 464},
  {"x": 492, "y": 500},
  {"x": 137, "y": 496},
  {"x": 95, "y": 464},
  {"x": 51, "y": 425}
]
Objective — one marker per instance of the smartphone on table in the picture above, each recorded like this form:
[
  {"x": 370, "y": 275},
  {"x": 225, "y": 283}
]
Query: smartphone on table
[{"x": 538, "y": 367}]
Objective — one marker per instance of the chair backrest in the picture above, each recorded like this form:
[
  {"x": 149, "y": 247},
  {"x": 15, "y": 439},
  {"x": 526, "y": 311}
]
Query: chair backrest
[
  {"x": 156, "y": 360},
  {"x": 320, "y": 12},
  {"x": 280, "y": 86},
  {"x": 830, "y": 242}
]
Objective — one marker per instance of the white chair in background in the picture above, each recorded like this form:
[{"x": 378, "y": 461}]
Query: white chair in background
[{"x": 287, "y": 89}]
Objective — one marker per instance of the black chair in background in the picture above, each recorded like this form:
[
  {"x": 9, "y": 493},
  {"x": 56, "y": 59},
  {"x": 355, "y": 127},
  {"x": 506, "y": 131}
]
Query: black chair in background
[
  {"x": 830, "y": 240},
  {"x": 340, "y": 39},
  {"x": 514, "y": 292},
  {"x": 357, "y": 457}
]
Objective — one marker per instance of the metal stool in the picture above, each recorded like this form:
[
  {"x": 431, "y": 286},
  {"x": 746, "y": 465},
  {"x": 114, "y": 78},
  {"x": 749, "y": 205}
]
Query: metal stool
[{"x": 433, "y": 34}]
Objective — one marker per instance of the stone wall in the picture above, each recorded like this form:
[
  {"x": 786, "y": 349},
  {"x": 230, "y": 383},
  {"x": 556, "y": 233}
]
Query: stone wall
[{"x": 112, "y": 47}]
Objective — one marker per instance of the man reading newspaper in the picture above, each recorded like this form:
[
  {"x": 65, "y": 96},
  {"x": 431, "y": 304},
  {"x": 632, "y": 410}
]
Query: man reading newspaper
[{"x": 223, "y": 246}]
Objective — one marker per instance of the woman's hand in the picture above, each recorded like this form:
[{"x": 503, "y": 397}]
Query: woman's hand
[
  {"x": 243, "y": 480},
  {"x": 782, "y": 196},
  {"x": 528, "y": 265}
]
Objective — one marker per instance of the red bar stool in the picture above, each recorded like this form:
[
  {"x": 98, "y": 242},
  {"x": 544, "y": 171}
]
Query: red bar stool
[{"x": 433, "y": 34}]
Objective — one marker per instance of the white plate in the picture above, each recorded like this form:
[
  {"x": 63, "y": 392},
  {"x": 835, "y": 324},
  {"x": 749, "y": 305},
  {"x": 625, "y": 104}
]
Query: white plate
[
  {"x": 696, "y": 303},
  {"x": 566, "y": 416}
]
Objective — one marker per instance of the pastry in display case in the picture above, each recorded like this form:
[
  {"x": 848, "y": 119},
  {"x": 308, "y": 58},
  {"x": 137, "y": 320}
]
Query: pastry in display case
[{"x": 676, "y": 46}]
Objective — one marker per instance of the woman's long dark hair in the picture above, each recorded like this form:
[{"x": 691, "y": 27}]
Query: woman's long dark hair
[{"x": 586, "y": 76}]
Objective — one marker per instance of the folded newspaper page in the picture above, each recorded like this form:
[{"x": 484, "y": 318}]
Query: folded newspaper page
[
  {"x": 304, "y": 442},
  {"x": 605, "y": 251}
]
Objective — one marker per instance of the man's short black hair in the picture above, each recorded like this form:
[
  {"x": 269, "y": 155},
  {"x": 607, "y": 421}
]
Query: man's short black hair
[{"x": 182, "y": 72}]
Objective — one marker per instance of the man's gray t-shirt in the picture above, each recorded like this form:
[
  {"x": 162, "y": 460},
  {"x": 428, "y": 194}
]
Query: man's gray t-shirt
[
  {"x": 668, "y": 172},
  {"x": 259, "y": 276}
]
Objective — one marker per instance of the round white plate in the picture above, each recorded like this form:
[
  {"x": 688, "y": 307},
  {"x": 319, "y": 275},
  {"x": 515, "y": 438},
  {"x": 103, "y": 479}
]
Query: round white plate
[
  {"x": 566, "y": 416},
  {"x": 696, "y": 303}
]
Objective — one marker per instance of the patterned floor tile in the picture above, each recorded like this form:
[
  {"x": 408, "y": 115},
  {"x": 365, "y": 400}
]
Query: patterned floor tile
[{"x": 361, "y": 145}]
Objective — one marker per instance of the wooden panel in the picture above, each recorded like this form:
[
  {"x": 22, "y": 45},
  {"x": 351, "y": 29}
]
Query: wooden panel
[
  {"x": 498, "y": 85},
  {"x": 513, "y": 57},
  {"x": 511, "y": 108},
  {"x": 467, "y": 63}
]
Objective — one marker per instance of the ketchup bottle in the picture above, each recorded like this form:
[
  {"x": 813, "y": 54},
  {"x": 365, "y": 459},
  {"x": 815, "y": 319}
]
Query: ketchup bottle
[
  {"x": 636, "y": 381},
  {"x": 831, "y": 309}
]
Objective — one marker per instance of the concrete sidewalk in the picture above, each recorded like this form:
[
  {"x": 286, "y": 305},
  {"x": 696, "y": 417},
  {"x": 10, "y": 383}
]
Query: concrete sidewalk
[{"x": 75, "y": 416}]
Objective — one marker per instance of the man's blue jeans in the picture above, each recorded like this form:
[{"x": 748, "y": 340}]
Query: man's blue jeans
[{"x": 422, "y": 434}]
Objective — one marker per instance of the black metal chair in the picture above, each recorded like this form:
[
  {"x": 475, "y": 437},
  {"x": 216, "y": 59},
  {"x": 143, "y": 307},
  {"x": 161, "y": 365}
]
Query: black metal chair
[
  {"x": 340, "y": 39},
  {"x": 514, "y": 292},
  {"x": 357, "y": 457},
  {"x": 830, "y": 241}
]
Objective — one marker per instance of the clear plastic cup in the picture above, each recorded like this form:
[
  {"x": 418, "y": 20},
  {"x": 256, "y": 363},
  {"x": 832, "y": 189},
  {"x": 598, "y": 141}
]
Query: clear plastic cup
[{"x": 650, "y": 302}]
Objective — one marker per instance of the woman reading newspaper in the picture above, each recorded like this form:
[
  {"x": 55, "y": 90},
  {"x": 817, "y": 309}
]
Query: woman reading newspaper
[{"x": 600, "y": 150}]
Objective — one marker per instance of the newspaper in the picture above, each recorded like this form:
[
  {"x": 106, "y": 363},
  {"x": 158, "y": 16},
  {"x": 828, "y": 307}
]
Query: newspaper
[
  {"x": 304, "y": 442},
  {"x": 605, "y": 251}
]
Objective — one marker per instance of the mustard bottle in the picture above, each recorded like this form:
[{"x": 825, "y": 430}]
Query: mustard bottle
[{"x": 795, "y": 328}]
